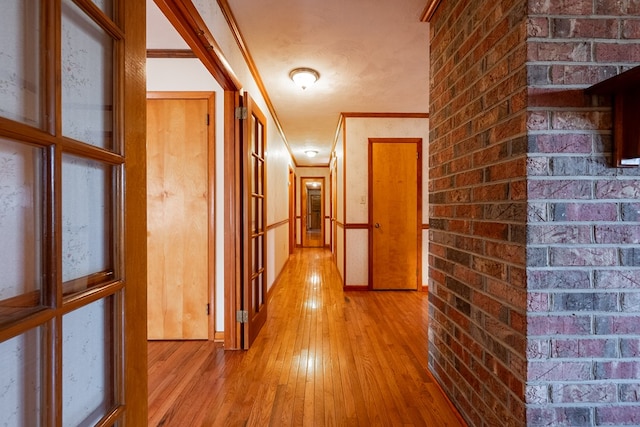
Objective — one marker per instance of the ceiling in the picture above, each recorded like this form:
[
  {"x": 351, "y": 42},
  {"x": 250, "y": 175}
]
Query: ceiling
[{"x": 372, "y": 56}]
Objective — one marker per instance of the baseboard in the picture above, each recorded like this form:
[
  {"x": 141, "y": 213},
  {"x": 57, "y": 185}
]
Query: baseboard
[
  {"x": 218, "y": 336},
  {"x": 348, "y": 288}
]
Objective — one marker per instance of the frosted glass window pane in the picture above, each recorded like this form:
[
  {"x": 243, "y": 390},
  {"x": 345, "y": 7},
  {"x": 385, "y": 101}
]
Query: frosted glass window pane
[
  {"x": 86, "y": 217},
  {"x": 87, "y": 79},
  {"x": 106, "y": 6},
  {"x": 20, "y": 61},
  {"x": 87, "y": 364},
  {"x": 20, "y": 380},
  {"x": 20, "y": 222}
]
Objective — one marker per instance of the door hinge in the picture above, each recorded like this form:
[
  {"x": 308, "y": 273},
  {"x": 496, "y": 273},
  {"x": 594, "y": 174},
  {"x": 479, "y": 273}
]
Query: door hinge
[
  {"x": 208, "y": 119},
  {"x": 242, "y": 316},
  {"x": 208, "y": 309},
  {"x": 418, "y": 155},
  {"x": 241, "y": 113}
]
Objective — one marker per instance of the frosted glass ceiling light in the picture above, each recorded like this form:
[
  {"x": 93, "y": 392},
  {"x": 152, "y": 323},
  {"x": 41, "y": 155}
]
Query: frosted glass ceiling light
[
  {"x": 304, "y": 77},
  {"x": 311, "y": 153}
]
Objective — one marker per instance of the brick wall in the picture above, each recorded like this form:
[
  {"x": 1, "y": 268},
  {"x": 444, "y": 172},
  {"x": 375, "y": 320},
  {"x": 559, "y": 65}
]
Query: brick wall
[
  {"x": 478, "y": 145},
  {"x": 534, "y": 256},
  {"x": 584, "y": 223}
]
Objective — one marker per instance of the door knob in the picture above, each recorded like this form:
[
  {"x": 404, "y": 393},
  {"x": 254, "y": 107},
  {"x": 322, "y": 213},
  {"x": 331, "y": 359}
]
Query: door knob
[{"x": 377, "y": 225}]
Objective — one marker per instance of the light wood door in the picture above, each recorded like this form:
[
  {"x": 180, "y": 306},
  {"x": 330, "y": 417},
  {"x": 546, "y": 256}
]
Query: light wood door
[
  {"x": 394, "y": 213},
  {"x": 254, "y": 167},
  {"x": 178, "y": 200}
]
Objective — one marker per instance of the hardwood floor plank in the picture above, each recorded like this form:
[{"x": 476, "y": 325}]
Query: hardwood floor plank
[{"x": 324, "y": 358}]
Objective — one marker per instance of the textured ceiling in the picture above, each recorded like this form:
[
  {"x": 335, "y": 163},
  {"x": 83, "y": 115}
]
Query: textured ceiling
[{"x": 372, "y": 56}]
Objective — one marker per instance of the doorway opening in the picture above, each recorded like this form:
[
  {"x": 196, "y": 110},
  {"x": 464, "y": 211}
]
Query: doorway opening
[{"x": 312, "y": 200}]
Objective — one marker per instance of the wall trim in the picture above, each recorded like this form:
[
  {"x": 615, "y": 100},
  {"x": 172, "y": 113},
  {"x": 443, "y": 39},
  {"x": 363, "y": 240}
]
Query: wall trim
[
  {"x": 277, "y": 224},
  {"x": 171, "y": 53},
  {"x": 235, "y": 30},
  {"x": 187, "y": 21},
  {"x": 356, "y": 226},
  {"x": 429, "y": 10},
  {"x": 361, "y": 115}
]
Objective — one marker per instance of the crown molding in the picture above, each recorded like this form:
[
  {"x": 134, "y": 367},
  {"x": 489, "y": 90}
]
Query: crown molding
[{"x": 429, "y": 10}]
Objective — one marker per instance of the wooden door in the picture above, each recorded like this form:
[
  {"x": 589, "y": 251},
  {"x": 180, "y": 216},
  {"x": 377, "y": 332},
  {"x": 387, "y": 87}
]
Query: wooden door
[
  {"x": 314, "y": 211},
  {"x": 394, "y": 213},
  {"x": 178, "y": 203},
  {"x": 312, "y": 223},
  {"x": 72, "y": 222},
  {"x": 254, "y": 230}
]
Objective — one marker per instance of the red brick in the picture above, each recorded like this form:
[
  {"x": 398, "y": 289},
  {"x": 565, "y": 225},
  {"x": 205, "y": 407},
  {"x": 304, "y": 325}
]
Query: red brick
[
  {"x": 613, "y": 52},
  {"x": 566, "y": 189},
  {"x": 561, "y": 143},
  {"x": 564, "y": 7},
  {"x": 617, "y": 234},
  {"x": 579, "y": 74},
  {"x": 583, "y": 393},
  {"x": 570, "y": 256},
  {"x": 560, "y": 51},
  {"x": 560, "y": 371},
  {"x": 583, "y": 348},
  {"x": 631, "y": 29},
  {"x": 586, "y": 212},
  {"x": 559, "y": 416},
  {"x": 592, "y": 120},
  {"x": 555, "y": 233},
  {"x": 585, "y": 28},
  {"x": 538, "y": 349},
  {"x": 490, "y": 193},
  {"x": 618, "y": 189},
  {"x": 537, "y": 302},
  {"x": 554, "y": 97},
  {"x": 618, "y": 415},
  {"x": 618, "y": 325},
  {"x": 559, "y": 325},
  {"x": 538, "y": 27},
  {"x": 617, "y": 370},
  {"x": 620, "y": 8}
]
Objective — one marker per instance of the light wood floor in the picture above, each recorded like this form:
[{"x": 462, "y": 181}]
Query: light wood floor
[
  {"x": 314, "y": 239},
  {"x": 325, "y": 358}
]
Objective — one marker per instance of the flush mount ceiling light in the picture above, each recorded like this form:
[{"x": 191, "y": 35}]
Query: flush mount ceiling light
[
  {"x": 311, "y": 153},
  {"x": 304, "y": 77}
]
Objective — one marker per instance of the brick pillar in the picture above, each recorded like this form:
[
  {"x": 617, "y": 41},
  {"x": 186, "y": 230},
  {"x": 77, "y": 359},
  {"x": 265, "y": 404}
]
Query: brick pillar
[
  {"x": 534, "y": 258},
  {"x": 477, "y": 300},
  {"x": 584, "y": 220}
]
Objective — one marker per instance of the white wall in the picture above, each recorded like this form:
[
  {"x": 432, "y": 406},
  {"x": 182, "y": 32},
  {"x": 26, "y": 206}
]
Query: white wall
[
  {"x": 278, "y": 158},
  {"x": 340, "y": 191},
  {"x": 356, "y": 188}
]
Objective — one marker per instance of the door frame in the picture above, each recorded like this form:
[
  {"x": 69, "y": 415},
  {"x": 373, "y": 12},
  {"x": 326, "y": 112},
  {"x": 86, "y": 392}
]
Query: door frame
[
  {"x": 187, "y": 21},
  {"x": 304, "y": 208},
  {"x": 418, "y": 142},
  {"x": 211, "y": 188},
  {"x": 292, "y": 210}
]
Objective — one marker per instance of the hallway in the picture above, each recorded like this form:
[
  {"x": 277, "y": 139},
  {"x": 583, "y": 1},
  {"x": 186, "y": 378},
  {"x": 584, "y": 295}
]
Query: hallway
[{"x": 324, "y": 357}]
